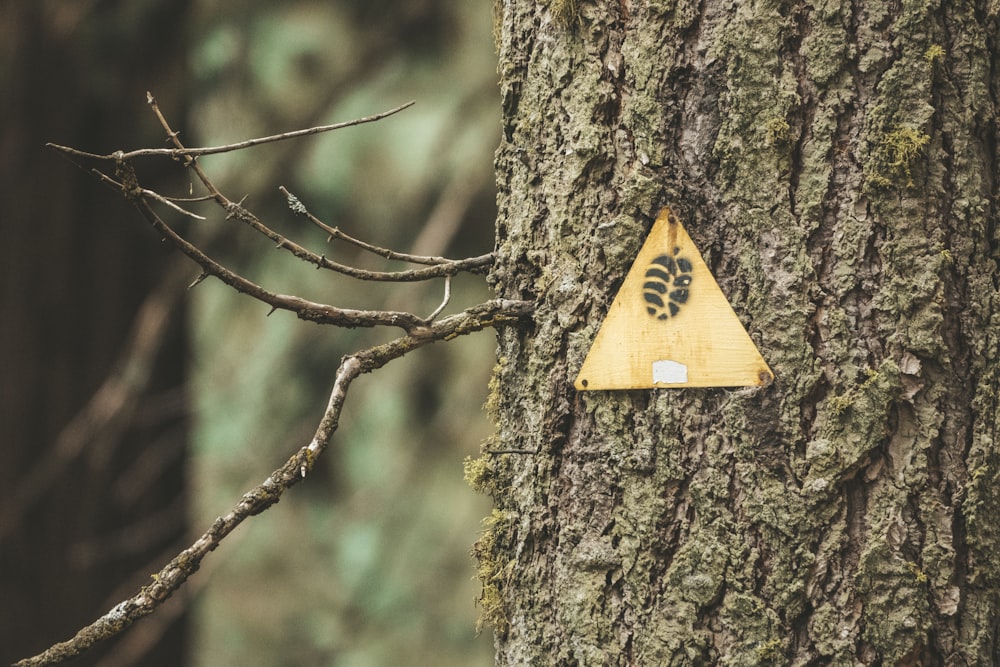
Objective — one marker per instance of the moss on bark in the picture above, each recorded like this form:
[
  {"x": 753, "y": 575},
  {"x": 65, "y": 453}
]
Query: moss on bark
[{"x": 834, "y": 164}]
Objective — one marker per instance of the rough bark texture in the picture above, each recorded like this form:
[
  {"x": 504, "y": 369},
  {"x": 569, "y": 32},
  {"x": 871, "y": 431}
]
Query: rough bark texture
[{"x": 836, "y": 164}]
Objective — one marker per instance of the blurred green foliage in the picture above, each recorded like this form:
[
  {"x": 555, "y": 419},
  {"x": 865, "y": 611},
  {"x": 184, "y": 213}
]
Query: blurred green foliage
[{"x": 367, "y": 562}]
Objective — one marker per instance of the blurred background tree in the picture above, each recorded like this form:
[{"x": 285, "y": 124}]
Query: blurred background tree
[
  {"x": 371, "y": 565},
  {"x": 367, "y": 564},
  {"x": 92, "y": 463}
]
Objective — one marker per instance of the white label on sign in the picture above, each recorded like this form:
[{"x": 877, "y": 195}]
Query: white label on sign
[{"x": 669, "y": 372}]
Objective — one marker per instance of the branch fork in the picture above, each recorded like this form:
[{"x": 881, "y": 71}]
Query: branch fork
[{"x": 418, "y": 332}]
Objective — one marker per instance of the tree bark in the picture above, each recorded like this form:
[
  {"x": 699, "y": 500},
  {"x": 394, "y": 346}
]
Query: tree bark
[
  {"x": 80, "y": 520},
  {"x": 836, "y": 164}
]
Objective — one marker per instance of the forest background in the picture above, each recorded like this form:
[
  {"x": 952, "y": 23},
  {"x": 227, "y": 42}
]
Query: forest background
[{"x": 368, "y": 563}]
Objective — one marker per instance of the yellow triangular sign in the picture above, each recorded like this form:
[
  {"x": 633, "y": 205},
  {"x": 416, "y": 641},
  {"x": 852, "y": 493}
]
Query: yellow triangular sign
[{"x": 670, "y": 325}]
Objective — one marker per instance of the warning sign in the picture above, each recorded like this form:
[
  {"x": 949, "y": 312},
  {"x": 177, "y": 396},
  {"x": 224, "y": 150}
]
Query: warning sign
[{"x": 670, "y": 324}]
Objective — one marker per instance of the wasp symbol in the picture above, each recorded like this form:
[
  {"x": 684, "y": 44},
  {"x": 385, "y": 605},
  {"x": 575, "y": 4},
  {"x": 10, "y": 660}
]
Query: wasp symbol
[{"x": 666, "y": 286}]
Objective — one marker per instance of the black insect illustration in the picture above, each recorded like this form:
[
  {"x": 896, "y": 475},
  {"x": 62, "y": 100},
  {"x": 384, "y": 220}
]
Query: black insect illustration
[{"x": 666, "y": 286}]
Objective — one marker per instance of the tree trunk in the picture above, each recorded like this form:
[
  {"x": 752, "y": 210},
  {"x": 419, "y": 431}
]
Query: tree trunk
[
  {"x": 835, "y": 163},
  {"x": 90, "y": 502}
]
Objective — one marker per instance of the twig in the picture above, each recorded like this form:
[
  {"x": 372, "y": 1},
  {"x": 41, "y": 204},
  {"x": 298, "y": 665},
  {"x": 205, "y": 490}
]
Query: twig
[
  {"x": 237, "y": 211},
  {"x": 189, "y": 161},
  {"x": 129, "y": 187},
  {"x": 296, "y": 206},
  {"x": 303, "y": 308},
  {"x": 169, "y": 202},
  {"x": 169, "y": 579},
  {"x": 444, "y": 302},
  {"x": 419, "y": 332},
  {"x": 441, "y": 267},
  {"x": 181, "y": 152}
]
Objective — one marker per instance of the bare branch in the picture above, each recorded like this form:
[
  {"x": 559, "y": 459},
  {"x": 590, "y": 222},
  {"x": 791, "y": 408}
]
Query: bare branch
[
  {"x": 441, "y": 266},
  {"x": 170, "y": 202},
  {"x": 303, "y": 308},
  {"x": 444, "y": 302},
  {"x": 189, "y": 161},
  {"x": 239, "y": 212},
  {"x": 419, "y": 332},
  {"x": 169, "y": 579},
  {"x": 474, "y": 264},
  {"x": 129, "y": 187},
  {"x": 181, "y": 152}
]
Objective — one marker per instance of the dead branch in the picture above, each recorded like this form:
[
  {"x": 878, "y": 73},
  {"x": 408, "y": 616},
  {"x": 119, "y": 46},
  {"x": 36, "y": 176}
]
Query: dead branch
[
  {"x": 448, "y": 267},
  {"x": 440, "y": 267},
  {"x": 418, "y": 333},
  {"x": 309, "y": 311},
  {"x": 181, "y": 152},
  {"x": 490, "y": 314},
  {"x": 237, "y": 211},
  {"x": 127, "y": 184}
]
